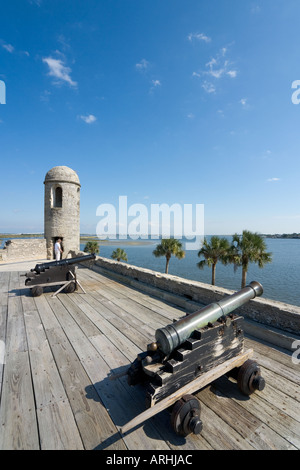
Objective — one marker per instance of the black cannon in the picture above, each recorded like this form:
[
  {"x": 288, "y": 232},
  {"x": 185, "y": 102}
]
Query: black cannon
[
  {"x": 189, "y": 354},
  {"x": 56, "y": 273}
]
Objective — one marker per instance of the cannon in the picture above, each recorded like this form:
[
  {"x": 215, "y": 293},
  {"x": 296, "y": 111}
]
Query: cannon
[
  {"x": 62, "y": 273},
  {"x": 191, "y": 353}
]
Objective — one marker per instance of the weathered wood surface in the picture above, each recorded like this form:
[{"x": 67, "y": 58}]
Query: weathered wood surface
[{"x": 62, "y": 353}]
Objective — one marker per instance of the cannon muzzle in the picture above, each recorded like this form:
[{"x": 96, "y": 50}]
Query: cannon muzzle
[
  {"x": 172, "y": 336},
  {"x": 39, "y": 268}
]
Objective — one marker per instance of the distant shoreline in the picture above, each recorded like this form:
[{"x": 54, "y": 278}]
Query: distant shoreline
[
  {"x": 86, "y": 238},
  {"x": 284, "y": 236},
  {"x": 83, "y": 239}
]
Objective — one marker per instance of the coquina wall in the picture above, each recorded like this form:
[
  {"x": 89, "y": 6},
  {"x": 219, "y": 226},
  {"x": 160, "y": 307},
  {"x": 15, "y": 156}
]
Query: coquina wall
[
  {"x": 265, "y": 311},
  {"x": 20, "y": 249}
]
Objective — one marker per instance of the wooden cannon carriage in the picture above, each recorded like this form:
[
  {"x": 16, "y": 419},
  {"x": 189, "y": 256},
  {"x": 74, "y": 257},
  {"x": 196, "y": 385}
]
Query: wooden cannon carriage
[
  {"x": 56, "y": 273},
  {"x": 191, "y": 353}
]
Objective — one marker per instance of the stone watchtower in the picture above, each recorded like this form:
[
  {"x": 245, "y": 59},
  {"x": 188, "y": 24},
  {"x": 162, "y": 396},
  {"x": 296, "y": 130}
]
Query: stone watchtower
[{"x": 62, "y": 210}]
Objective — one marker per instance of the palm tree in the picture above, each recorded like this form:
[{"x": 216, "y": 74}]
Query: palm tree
[
  {"x": 216, "y": 250},
  {"x": 167, "y": 248},
  {"x": 92, "y": 247},
  {"x": 119, "y": 255},
  {"x": 249, "y": 248}
]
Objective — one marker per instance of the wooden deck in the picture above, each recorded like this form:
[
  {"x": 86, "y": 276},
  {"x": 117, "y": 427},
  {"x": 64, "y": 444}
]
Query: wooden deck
[{"x": 57, "y": 390}]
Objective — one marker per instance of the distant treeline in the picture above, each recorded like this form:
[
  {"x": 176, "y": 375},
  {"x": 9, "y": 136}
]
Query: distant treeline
[
  {"x": 87, "y": 237},
  {"x": 284, "y": 235}
]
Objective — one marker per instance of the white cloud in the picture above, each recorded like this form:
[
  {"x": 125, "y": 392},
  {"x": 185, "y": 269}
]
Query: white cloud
[
  {"x": 199, "y": 37},
  {"x": 245, "y": 103},
  {"x": 143, "y": 65},
  {"x": 60, "y": 71},
  {"x": 273, "y": 179},
  {"x": 89, "y": 119},
  {"x": 8, "y": 48},
  {"x": 232, "y": 73},
  {"x": 155, "y": 84},
  {"x": 208, "y": 87},
  {"x": 217, "y": 68}
]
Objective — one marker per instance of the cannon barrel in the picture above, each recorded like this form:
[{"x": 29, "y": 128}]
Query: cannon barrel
[
  {"x": 39, "y": 268},
  {"x": 173, "y": 335}
]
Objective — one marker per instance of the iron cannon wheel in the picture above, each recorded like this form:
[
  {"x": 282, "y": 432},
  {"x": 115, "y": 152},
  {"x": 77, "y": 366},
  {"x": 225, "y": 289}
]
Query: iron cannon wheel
[
  {"x": 36, "y": 291},
  {"x": 185, "y": 416},
  {"x": 249, "y": 378}
]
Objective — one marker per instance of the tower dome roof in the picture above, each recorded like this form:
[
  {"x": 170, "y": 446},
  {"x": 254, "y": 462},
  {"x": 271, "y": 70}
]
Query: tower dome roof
[{"x": 62, "y": 174}]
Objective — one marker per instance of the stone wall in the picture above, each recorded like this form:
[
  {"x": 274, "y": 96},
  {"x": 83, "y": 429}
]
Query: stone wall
[
  {"x": 20, "y": 249},
  {"x": 265, "y": 311}
]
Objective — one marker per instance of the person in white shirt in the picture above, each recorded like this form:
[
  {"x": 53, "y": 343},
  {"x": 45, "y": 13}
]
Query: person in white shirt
[{"x": 57, "y": 249}]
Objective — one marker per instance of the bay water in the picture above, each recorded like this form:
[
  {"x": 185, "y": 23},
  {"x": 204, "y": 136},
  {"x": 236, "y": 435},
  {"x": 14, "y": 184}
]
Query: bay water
[{"x": 280, "y": 279}]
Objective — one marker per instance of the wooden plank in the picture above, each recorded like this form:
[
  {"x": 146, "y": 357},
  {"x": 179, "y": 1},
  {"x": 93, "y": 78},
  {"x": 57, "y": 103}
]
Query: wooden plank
[
  {"x": 46, "y": 314},
  {"x": 220, "y": 434},
  {"x": 264, "y": 438},
  {"x": 269, "y": 414},
  {"x": 274, "y": 355},
  {"x": 117, "y": 337},
  {"x": 92, "y": 419},
  {"x": 128, "y": 304},
  {"x": 70, "y": 302},
  {"x": 94, "y": 423},
  {"x": 18, "y": 430},
  {"x": 282, "y": 401},
  {"x": 246, "y": 424},
  {"x": 58, "y": 430},
  {"x": 168, "y": 311},
  {"x": 169, "y": 297},
  {"x": 280, "y": 383},
  {"x": 17, "y": 411},
  {"x": 111, "y": 312},
  {"x": 4, "y": 280},
  {"x": 74, "y": 333},
  {"x": 98, "y": 372},
  {"x": 48, "y": 387},
  {"x": 3, "y": 320},
  {"x": 285, "y": 371},
  {"x": 15, "y": 334},
  {"x": 192, "y": 387}
]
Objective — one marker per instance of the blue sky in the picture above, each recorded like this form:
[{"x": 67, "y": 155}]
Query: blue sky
[{"x": 165, "y": 101}]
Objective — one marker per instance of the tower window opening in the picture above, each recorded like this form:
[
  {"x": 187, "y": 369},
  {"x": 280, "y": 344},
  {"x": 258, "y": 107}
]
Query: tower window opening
[{"x": 57, "y": 197}]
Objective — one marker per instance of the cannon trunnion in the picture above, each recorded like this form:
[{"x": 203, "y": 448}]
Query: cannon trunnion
[{"x": 189, "y": 354}]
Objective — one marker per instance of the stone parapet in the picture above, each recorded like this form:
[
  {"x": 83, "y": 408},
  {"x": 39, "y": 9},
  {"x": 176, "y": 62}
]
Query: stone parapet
[{"x": 24, "y": 249}]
